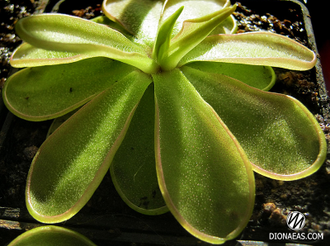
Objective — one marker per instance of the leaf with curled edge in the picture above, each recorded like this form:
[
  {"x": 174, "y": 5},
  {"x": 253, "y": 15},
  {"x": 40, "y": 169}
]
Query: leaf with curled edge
[
  {"x": 134, "y": 174},
  {"x": 261, "y": 77},
  {"x": 60, "y": 32},
  {"x": 66, "y": 171},
  {"x": 27, "y": 55},
  {"x": 281, "y": 138},
  {"x": 255, "y": 48},
  {"x": 47, "y": 92}
]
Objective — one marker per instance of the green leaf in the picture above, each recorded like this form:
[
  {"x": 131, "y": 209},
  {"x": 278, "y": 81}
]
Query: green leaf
[
  {"x": 133, "y": 169},
  {"x": 204, "y": 175},
  {"x": 281, "y": 138},
  {"x": 162, "y": 43},
  {"x": 42, "y": 93},
  {"x": 138, "y": 17},
  {"x": 27, "y": 55},
  {"x": 192, "y": 33},
  {"x": 60, "y": 32},
  {"x": 260, "y": 77},
  {"x": 51, "y": 236},
  {"x": 258, "y": 48},
  {"x": 72, "y": 162}
]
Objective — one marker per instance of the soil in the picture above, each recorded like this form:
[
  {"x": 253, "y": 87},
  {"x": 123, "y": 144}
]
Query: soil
[{"x": 106, "y": 218}]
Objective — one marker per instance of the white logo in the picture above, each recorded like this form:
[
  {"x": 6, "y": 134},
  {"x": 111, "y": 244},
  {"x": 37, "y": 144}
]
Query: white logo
[{"x": 295, "y": 220}]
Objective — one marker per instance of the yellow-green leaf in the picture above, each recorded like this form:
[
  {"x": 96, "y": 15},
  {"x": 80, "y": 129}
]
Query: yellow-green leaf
[
  {"x": 60, "y": 32},
  {"x": 133, "y": 169},
  {"x": 72, "y": 162},
  {"x": 42, "y": 93},
  {"x": 281, "y": 138},
  {"x": 204, "y": 175},
  {"x": 255, "y": 48}
]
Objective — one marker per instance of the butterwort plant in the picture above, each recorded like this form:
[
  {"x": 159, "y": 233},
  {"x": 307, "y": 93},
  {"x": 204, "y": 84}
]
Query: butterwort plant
[{"x": 168, "y": 99}]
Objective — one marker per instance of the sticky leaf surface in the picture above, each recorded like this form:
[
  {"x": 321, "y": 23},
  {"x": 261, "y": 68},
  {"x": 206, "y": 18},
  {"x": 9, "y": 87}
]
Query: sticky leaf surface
[
  {"x": 279, "y": 135},
  {"x": 71, "y": 163},
  {"x": 256, "y": 48},
  {"x": 133, "y": 169},
  {"x": 198, "y": 162},
  {"x": 41, "y": 93}
]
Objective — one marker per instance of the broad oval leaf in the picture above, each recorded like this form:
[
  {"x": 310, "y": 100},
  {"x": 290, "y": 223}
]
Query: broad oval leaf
[
  {"x": 42, "y": 93},
  {"x": 204, "y": 175},
  {"x": 72, "y": 34},
  {"x": 281, "y": 138},
  {"x": 255, "y": 48},
  {"x": 72, "y": 162},
  {"x": 133, "y": 169},
  {"x": 51, "y": 236},
  {"x": 27, "y": 55}
]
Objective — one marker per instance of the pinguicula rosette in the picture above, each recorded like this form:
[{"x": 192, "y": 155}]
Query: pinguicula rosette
[{"x": 173, "y": 103}]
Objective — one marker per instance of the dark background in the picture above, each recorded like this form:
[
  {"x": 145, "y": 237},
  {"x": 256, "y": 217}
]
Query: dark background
[{"x": 319, "y": 12}]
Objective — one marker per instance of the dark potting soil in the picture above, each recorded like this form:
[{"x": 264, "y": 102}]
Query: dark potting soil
[{"x": 106, "y": 216}]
